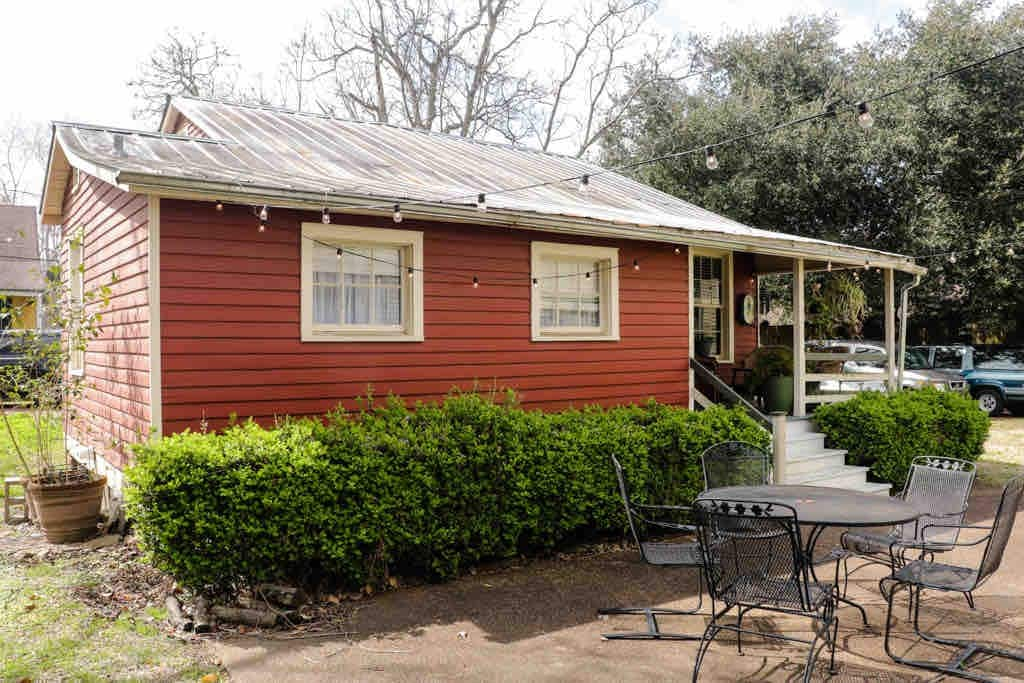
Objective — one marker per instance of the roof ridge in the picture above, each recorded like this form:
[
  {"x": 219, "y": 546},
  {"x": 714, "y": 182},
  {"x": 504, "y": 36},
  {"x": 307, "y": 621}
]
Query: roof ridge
[
  {"x": 144, "y": 133},
  {"x": 421, "y": 131}
]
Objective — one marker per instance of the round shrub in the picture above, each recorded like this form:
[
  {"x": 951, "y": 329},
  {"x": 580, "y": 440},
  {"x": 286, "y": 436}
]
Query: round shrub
[{"x": 887, "y": 431}]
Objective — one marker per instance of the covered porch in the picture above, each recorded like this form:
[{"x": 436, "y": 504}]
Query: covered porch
[{"x": 729, "y": 310}]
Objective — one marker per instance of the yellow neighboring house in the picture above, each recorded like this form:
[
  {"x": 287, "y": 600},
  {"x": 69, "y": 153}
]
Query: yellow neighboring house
[{"x": 21, "y": 271}]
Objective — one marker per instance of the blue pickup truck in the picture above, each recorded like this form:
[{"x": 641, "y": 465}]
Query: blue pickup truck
[{"x": 997, "y": 380}]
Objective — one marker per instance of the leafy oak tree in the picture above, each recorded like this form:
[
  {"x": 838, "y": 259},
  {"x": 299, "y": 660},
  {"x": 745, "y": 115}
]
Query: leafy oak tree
[{"x": 941, "y": 169}]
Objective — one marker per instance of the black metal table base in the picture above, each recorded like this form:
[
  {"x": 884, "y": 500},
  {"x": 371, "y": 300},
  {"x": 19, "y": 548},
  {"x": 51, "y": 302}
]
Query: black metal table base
[{"x": 812, "y": 540}]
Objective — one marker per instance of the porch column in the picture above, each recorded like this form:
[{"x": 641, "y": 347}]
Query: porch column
[
  {"x": 890, "y": 329},
  {"x": 799, "y": 360}
]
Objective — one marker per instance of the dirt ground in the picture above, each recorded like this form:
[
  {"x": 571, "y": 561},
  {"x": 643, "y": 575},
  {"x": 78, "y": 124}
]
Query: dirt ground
[{"x": 538, "y": 623}]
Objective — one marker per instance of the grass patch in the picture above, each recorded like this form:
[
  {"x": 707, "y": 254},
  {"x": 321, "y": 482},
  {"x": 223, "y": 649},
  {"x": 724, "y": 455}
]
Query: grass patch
[
  {"x": 1004, "y": 451},
  {"x": 47, "y": 635}
]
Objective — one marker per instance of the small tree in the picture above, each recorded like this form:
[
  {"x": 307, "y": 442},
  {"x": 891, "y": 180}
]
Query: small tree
[{"x": 42, "y": 383}]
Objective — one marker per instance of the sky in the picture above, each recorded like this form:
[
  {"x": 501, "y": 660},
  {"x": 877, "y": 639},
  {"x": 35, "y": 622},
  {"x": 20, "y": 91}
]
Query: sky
[{"x": 71, "y": 61}]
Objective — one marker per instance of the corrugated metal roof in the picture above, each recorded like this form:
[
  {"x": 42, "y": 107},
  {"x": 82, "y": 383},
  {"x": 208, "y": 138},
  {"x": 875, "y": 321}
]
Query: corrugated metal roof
[
  {"x": 262, "y": 147},
  {"x": 23, "y": 272}
]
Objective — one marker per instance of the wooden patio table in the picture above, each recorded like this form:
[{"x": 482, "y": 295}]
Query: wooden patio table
[{"x": 822, "y": 507}]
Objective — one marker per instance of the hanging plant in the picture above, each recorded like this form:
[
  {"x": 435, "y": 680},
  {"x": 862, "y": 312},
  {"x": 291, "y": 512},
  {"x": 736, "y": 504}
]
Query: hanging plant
[{"x": 837, "y": 309}]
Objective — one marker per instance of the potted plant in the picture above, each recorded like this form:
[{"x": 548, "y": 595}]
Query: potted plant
[
  {"x": 64, "y": 497},
  {"x": 772, "y": 377}
]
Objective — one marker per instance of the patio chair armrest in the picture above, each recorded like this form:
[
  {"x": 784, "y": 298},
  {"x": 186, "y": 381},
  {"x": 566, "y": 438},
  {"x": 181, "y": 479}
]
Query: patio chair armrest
[
  {"x": 923, "y": 543},
  {"x": 672, "y": 526},
  {"x": 941, "y": 515}
]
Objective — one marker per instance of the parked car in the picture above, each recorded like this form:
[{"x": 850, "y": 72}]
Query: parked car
[
  {"x": 997, "y": 380},
  {"x": 942, "y": 363},
  {"x": 911, "y": 379}
]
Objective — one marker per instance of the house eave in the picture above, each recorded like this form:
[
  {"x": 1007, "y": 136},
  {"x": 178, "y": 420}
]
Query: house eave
[{"x": 840, "y": 255}]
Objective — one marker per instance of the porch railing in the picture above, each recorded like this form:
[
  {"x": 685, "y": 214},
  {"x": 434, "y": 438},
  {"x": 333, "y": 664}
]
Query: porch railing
[
  {"x": 855, "y": 381},
  {"x": 724, "y": 394}
]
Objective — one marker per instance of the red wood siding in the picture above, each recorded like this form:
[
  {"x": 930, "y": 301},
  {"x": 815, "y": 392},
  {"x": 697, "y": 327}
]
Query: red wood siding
[
  {"x": 231, "y": 336},
  {"x": 114, "y": 409}
]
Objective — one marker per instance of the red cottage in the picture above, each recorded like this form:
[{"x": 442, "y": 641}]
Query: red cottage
[{"x": 270, "y": 262}]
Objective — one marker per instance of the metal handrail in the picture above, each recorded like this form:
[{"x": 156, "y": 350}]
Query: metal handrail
[{"x": 730, "y": 395}]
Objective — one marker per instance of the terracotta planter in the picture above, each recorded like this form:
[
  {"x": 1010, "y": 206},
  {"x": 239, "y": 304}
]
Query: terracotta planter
[{"x": 67, "y": 513}]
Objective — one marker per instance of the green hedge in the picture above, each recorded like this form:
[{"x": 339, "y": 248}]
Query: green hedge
[
  {"x": 398, "y": 491},
  {"x": 887, "y": 431}
]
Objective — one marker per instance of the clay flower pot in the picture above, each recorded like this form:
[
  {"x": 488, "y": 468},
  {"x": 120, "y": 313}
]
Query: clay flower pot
[{"x": 67, "y": 512}]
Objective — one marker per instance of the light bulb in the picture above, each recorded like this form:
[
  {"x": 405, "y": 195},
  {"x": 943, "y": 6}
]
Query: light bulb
[
  {"x": 410, "y": 271},
  {"x": 219, "y": 205},
  {"x": 338, "y": 254},
  {"x": 710, "y": 159},
  {"x": 864, "y": 117},
  {"x": 678, "y": 251},
  {"x": 952, "y": 258},
  {"x": 1009, "y": 251},
  {"x": 481, "y": 203},
  {"x": 326, "y": 217},
  {"x": 263, "y": 225},
  {"x": 588, "y": 274},
  {"x": 476, "y": 282},
  {"x": 264, "y": 214},
  {"x": 828, "y": 267},
  {"x": 536, "y": 283},
  {"x": 584, "y": 184},
  {"x": 867, "y": 264},
  {"x": 636, "y": 265},
  {"x": 397, "y": 215}
]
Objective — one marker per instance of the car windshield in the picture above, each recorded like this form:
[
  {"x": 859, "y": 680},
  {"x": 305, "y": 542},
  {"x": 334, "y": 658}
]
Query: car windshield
[
  {"x": 917, "y": 359},
  {"x": 1004, "y": 359}
]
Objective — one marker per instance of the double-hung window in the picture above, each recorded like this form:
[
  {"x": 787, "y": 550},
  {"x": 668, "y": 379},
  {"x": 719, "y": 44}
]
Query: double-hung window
[
  {"x": 712, "y": 304},
  {"x": 361, "y": 284},
  {"x": 575, "y": 293}
]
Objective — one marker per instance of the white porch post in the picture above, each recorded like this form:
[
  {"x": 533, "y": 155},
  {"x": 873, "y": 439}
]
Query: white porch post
[
  {"x": 890, "y": 328},
  {"x": 799, "y": 360}
]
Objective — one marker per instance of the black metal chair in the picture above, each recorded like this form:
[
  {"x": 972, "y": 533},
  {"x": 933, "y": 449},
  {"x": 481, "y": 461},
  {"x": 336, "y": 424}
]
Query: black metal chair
[
  {"x": 921, "y": 574},
  {"x": 940, "y": 487},
  {"x": 659, "y": 553},
  {"x": 754, "y": 559},
  {"x": 736, "y": 463}
]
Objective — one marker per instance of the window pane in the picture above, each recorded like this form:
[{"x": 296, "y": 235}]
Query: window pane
[
  {"x": 355, "y": 264},
  {"x": 547, "y": 311},
  {"x": 357, "y": 305},
  {"x": 570, "y": 299},
  {"x": 568, "y": 313},
  {"x": 590, "y": 313},
  {"x": 387, "y": 306},
  {"x": 326, "y": 292},
  {"x": 386, "y": 265},
  {"x": 708, "y": 326},
  {"x": 707, "y": 280}
]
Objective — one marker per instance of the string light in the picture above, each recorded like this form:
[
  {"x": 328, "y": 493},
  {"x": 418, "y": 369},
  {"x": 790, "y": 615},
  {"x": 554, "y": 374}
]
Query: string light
[
  {"x": 828, "y": 267},
  {"x": 263, "y": 225},
  {"x": 588, "y": 274},
  {"x": 867, "y": 264},
  {"x": 864, "y": 117},
  {"x": 264, "y": 214},
  {"x": 536, "y": 283},
  {"x": 710, "y": 160},
  {"x": 219, "y": 206},
  {"x": 326, "y": 217},
  {"x": 584, "y": 184},
  {"x": 410, "y": 271},
  {"x": 339, "y": 254},
  {"x": 952, "y": 258},
  {"x": 397, "y": 213},
  {"x": 636, "y": 265},
  {"x": 678, "y": 251},
  {"x": 481, "y": 203},
  {"x": 1009, "y": 251},
  {"x": 476, "y": 282}
]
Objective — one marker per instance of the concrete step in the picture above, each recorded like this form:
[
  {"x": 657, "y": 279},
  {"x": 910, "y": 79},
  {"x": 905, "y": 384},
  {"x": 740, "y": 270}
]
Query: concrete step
[
  {"x": 874, "y": 487},
  {"x": 805, "y": 444},
  {"x": 821, "y": 462},
  {"x": 796, "y": 426},
  {"x": 845, "y": 477}
]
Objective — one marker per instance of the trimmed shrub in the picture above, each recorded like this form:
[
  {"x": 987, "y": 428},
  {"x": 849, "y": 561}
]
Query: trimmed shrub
[
  {"x": 428, "y": 491},
  {"x": 887, "y": 431}
]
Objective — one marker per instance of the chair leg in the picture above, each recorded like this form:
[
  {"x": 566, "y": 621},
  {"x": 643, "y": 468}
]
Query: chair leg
[
  {"x": 705, "y": 642},
  {"x": 651, "y": 614},
  {"x": 955, "y": 666},
  {"x": 970, "y": 599}
]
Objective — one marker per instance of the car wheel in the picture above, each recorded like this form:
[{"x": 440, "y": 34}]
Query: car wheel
[{"x": 990, "y": 401}]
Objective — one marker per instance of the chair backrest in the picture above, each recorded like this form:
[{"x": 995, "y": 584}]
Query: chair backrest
[
  {"x": 635, "y": 520},
  {"x": 939, "y": 487},
  {"x": 752, "y": 552},
  {"x": 735, "y": 463},
  {"x": 1006, "y": 514}
]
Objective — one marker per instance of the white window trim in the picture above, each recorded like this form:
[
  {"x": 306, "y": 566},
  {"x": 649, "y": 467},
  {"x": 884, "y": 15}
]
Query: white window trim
[
  {"x": 610, "y": 308},
  {"x": 728, "y": 303},
  {"x": 340, "y": 235},
  {"x": 76, "y": 290}
]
